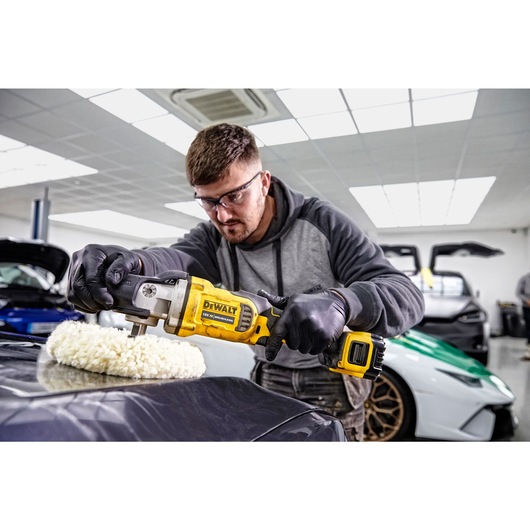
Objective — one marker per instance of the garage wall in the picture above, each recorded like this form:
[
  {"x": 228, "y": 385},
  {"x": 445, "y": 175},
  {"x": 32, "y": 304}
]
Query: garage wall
[
  {"x": 66, "y": 238},
  {"x": 494, "y": 278}
]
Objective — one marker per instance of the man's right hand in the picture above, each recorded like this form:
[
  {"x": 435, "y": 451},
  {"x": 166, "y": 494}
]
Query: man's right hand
[{"x": 93, "y": 268}]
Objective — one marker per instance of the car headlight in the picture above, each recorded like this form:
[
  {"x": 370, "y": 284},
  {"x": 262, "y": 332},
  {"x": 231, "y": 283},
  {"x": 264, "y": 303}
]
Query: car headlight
[
  {"x": 3, "y": 303},
  {"x": 502, "y": 386},
  {"x": 468, "y": 380},
  {"x": 472, "y": 315}
]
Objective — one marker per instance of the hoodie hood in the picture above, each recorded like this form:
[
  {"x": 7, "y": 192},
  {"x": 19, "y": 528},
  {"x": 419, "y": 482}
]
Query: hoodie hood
[{"x": 287, "y": 204}]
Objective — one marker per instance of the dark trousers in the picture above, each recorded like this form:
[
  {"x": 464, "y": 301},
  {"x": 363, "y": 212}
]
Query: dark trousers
[
  {"x": 526, "y": 316},
  {"x": 339, "y": 395}
]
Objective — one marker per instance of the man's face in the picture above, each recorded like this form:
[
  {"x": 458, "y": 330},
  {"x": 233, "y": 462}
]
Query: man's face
[{"x": 239, "y": 215}]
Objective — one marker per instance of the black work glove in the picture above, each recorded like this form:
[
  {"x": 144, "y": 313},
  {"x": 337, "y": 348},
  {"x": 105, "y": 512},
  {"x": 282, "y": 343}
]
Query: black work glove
[
  {"x": 93, "y": 268},
  {"x": 310, "y": 323}
]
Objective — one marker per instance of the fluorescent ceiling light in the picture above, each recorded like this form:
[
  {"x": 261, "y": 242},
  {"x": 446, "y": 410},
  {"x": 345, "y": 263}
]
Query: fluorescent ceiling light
[
  {"x": 428, "y": 93},
  {"x": 444, "y": 109},
  {"x": 374, "y": 202},
  {"x": 279, "y": 132},
  {"x": 110, "y": 221},
  {"x": 387, "y": 117},
  {"x": 436, "y": 203},
  {"x": 25, "y": 164},
  {"x": 328, "y": 126},
  {"x": 91, "y": 92},
  {"x": 8, "y": 143},
  {"x": 129, "y": 105},
  {"x": 434, "y": 200},
  {"x": 363, "y": 98},
  {"x": 169, "y": 130},
  {"x": 468, "y": 195},
  {"x": 304, "y": 102},
  {"x": 404, "y": 202},
  {"x": 189, "y": 208},
  {"x": 372, "y": 109},
  {"x": 143, "y": 113}
]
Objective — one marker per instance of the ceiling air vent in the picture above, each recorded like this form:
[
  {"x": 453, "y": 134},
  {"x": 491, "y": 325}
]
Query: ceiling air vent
[{"x": 209, "y": 106}]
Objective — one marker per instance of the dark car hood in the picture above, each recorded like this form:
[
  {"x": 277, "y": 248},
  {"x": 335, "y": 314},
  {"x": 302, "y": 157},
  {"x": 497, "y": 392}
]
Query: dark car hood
[
  {"x": 444, "y": 307},
  {"x": 37, "y": 253},
  {"x": 41, "y": 400}
]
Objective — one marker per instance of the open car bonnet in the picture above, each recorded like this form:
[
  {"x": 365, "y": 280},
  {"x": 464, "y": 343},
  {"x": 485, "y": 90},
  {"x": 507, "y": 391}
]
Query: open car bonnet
[{"x": 36, "y": 253}]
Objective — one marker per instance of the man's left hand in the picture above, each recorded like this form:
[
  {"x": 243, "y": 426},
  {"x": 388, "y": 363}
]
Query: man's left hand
[{"x": 310, "y": 323}]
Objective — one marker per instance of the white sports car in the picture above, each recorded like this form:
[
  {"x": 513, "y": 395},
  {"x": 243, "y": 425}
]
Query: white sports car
[{"x": 427, "y": 390}]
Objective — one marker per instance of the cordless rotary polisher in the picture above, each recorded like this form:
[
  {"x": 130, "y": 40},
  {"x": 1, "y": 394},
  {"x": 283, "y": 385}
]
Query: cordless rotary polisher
[{"x": 189, "y": 305}]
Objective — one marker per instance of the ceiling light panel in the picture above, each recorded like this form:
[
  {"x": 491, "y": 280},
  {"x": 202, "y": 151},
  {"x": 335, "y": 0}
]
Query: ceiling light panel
[
  {"x": 8, "y": 143},
  {"x": 385, "y": 118},
  {"x": 328, "y": 126},
  {"x": 374, "y": 202},
  {"x": 435, "y": 203},
  {"x": 129, "y": 105},
  {"x": 468, "y": 195},
  {"x": 279, "y": 132},
  {"x": 28, "y": 165},
  {"x": 110, "y": 221},
  {"x": 404, "y": 202},
  {"x": 444, "y": 109},
  {"x": 170, "y": 130},
  {"x": 434, "y": 198},
  {"x": 364, "y": 98},
  {"x": 303, "y": 102},
  {"x": 91, "y": 92},
  {"x": 189, "y": 208},
  {"x": 428, "y": 93}
]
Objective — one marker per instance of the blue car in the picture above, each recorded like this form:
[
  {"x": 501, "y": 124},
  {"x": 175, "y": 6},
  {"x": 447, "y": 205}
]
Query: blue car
[{"x": 30, "y": 301}]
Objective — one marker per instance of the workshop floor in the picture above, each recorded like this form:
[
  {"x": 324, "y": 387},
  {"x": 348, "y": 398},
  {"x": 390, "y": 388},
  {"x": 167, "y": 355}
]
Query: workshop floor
[{"x": 505, "y": 362}]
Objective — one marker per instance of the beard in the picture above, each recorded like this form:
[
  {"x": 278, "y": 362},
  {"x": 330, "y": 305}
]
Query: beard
[{"x": 241, "y": 226}]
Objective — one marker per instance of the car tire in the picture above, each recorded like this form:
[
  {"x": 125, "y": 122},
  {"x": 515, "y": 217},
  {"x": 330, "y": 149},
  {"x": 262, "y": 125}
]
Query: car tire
[{"x": 390, "y": 412}]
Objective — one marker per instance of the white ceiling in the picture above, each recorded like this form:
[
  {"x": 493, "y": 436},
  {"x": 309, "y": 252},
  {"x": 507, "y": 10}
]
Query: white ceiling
[{"x": 138, "y": 175}]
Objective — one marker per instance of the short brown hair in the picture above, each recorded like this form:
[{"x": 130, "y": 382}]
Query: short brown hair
[{"x": 215, "y": 148}]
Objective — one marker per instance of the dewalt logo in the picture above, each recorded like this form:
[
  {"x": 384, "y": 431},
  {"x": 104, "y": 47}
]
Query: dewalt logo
[
  {"x": 220, "y": 307},
  {"x": 219, "y": 311}
]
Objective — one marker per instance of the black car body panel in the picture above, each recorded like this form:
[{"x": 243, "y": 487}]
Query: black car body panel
[
  {"x": 452, "y": 312},
  {"x": 41, "y": 400}
]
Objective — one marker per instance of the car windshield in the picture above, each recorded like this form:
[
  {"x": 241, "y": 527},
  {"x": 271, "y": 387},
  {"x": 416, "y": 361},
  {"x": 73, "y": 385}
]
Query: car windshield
[
  {"x": 19, "y": 275},
  {"x": 442, "y": 285}
]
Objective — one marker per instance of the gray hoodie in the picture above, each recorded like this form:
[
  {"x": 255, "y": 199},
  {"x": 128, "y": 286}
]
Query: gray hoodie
[
  {"x": 310, "y": 246},
  {"x": 523, "y": 290}
]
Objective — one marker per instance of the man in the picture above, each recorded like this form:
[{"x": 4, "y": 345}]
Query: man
[
  {"x": 523, "y": 293},
  {"x": 312, "y": 260}
]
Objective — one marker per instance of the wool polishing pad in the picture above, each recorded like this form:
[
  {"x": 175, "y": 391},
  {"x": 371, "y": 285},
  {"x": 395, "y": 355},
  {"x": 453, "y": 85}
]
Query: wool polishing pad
[{"x": 111, "y": 351}]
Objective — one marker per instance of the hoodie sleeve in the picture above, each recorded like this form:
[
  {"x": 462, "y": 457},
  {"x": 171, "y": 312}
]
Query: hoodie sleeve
[
  {"x": 195, "y": 253},
  {"x": 381, "y": 299}
]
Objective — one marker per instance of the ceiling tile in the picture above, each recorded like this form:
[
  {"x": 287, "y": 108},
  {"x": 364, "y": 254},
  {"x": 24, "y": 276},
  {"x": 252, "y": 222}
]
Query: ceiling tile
[
  {"x": 50, "y": 124},
  {"x": 13, "y": 106}
]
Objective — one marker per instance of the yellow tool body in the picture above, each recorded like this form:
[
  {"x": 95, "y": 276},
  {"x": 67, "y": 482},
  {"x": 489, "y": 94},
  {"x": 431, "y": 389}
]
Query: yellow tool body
[
  {"x": 189, "y": 305},
  {"x": 222, "y": 314}
]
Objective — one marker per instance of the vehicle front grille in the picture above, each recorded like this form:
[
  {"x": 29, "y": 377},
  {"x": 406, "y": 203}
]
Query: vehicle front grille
[{"x": 505, "y": 422}]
